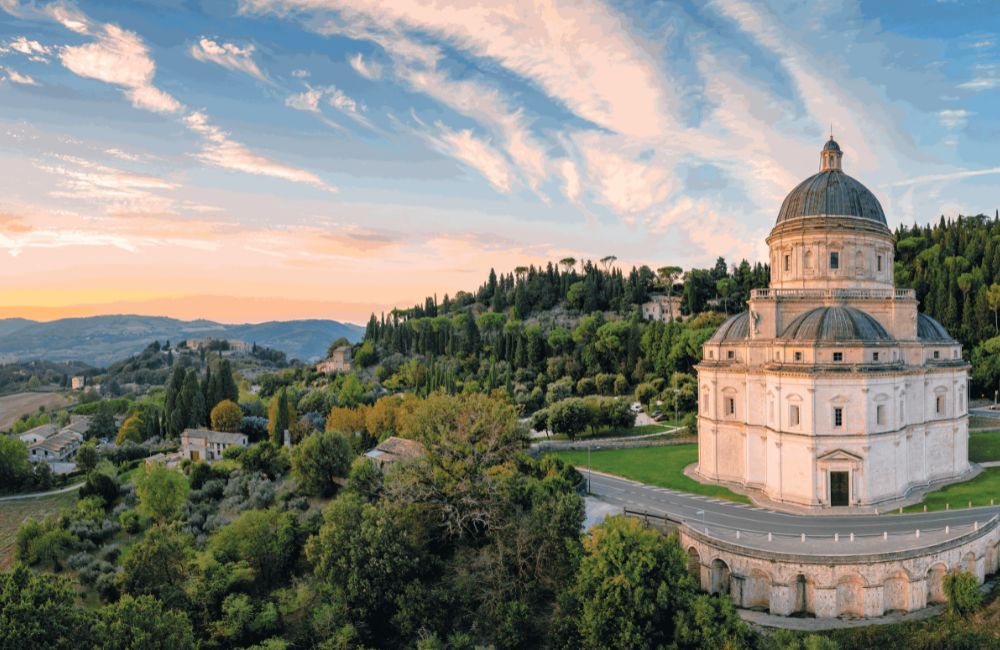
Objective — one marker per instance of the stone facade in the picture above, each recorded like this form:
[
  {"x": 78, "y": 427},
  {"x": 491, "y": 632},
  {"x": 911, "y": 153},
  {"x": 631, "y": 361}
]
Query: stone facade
[
  {"x": 864, "y": 585},
  {"x": 832, "y": 390}
]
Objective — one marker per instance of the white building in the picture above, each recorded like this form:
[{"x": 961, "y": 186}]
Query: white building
[
  {"x": 200, "y": 444},
  {"x": 662, "y": 308},
  {"x": 832, "y": 390}
]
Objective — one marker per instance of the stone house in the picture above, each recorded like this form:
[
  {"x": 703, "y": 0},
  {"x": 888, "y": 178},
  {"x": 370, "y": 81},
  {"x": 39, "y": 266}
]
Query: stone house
[{"x": 201, "y": 444}]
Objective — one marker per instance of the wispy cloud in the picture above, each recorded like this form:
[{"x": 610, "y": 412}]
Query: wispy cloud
[
  {"x": 954, "y": 118},
  {"x": 120, "y": 58},
  {"x": 224, "y": 152},
  {"x": 228, "y": 55},
  {"x": 18, "y": 78},
  {"x": 367, "y": 69},
  {"x": 981, "y": 83},
  {"x": 34, "y": 50},
  {"x": 474, "y": 152},
  {"x": 310, "y": 101}
]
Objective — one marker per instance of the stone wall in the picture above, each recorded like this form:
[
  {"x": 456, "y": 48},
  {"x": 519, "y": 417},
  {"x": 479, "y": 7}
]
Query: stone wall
[{"x": 828, "y": 586}]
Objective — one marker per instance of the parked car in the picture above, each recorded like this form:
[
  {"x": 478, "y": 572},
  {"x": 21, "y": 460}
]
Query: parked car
[
  {"x": 655, "y": 414},
  {"x": 636, "y": 407}
]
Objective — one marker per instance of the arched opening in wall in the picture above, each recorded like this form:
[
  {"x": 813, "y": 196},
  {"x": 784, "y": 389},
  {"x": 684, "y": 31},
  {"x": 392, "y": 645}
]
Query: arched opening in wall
[
  {"x": 969, "y": 562},
  {"x": 935, "y": 584},
  {"x": 851, "y": 597},
  {"x": 719, "y": 583},
  {"x": 804, "y": 602},
  {"x": 896, "y": 593},
  {"x": 992, "y": 558},
  {"x": 807, "y": 260},
  {"x": 859, "y": 263},
  {"x": 694, "y": 564},
  {"x": 757, "y": 594}
]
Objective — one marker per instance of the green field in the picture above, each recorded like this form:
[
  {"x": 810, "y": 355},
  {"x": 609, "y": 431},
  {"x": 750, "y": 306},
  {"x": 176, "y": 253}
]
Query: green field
[
  {"x": 979, "y": 490},
  {"x": 662, "y": 466},
  {"x": 14, "y": 513},
  {"x": 984, "y": 446}
]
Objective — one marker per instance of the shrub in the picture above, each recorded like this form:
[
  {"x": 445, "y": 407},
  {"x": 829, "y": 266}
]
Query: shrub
[
  {"x": 962, "y": 589},
  {"x": 131, "y": 521}
]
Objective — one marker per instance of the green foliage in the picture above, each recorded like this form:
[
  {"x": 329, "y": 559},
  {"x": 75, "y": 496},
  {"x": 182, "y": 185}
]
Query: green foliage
[
  {"x": 570, "y": 416},
  {"x": 157, "y": 565},
  {"x": 141, "y": 623},
  {"x": 281, "y": 416},
  {"x": 633, "y": 591},
  {"x": 161, "y": 492},
  {"x": 962, "y": 589},
  {"x": 87, "y": 456},
  {"x": 320, "y": 458},
  {"x": 469, "y": 444},
  {"x": 366, "y": 479},
  {"x": 39, "y": 611},
  {"x": 363, "y": 556},
  {"x": 267, "y": 540},
  {"x": 44, "y": 543},
  {"x": 15, "y": 468},
  {"x": 102, "y": 485}
]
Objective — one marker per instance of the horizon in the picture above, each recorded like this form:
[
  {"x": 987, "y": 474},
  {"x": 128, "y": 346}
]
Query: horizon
[{"x": 288, "y": 159}]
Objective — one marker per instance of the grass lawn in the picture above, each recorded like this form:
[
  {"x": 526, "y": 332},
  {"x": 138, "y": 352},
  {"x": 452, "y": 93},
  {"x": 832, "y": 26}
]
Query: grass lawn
[
  {"x": 14, "y": 513},
  {"x": 662, "y": 466},
  {"x": 984, "y": 446},
  {"x": 979, "y": 490}
]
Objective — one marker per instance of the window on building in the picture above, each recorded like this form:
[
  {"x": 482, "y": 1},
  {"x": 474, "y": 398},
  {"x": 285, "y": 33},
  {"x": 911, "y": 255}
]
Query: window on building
[
  {"x": 793, "y": 415},
  {"x": 730, "y": 354},
  {"x": 838, "y": 416},
  {"x": 939, "y": 404},
  {"x": 878, "y": 263},
  {"x": 937, "y": 354},
  {"x": 730, "y": 406},
  {"x": 711, "y": 354},
  {"x": 788, "y": 262},
  {"x": 838, "y": 356},
  {"x": 834, "y": 260},
  {"x": 798, "y": 356},
  {"x": 874, "y": 356},
  {"x": 880, "y": 414}
]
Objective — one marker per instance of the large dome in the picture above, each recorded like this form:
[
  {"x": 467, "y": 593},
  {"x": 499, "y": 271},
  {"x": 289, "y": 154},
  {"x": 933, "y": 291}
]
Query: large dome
[
  {"x": 836, "y": 325},
  {"x": 831, "y": 193}
]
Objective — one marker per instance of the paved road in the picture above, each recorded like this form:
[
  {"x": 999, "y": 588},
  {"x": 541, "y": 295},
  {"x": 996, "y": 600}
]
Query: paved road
[{"x": 696, "y": 509}]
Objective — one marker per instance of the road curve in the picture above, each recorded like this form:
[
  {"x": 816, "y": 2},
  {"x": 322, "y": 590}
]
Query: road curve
[{"x": 718, "y": 513}]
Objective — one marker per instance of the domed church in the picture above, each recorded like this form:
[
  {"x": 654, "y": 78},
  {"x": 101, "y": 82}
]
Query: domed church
[{"x": 832, "y": 391}]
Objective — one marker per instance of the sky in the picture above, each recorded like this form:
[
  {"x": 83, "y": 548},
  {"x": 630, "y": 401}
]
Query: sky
[{"x": 256, "y": 160}]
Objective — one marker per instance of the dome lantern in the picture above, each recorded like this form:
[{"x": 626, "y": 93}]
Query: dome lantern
[{"x": 829, "y": 158}]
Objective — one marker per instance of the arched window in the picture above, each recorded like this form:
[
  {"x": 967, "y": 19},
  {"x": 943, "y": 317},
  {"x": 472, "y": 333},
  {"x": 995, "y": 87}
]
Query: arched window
[{"x": 807, "y": 260}]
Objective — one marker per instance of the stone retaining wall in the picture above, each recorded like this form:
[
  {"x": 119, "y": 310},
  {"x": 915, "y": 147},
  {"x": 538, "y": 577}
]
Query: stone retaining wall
[{"x": 824, "y": 586}]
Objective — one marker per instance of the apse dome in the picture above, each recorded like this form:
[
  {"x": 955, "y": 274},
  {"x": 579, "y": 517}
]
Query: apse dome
[
  {"x": 835, "y": 325},
  {"x": 831, "y": 193},
  {"x": 735, "y": 328}
]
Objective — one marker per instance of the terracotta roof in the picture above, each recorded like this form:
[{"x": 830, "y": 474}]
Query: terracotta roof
[
  {"x": 395, "y": 449},
  {"x": 221, "y": 437}
]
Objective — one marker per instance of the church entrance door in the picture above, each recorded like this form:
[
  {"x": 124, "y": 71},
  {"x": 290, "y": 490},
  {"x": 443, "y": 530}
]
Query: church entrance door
[{"x": 840, "y": 493}]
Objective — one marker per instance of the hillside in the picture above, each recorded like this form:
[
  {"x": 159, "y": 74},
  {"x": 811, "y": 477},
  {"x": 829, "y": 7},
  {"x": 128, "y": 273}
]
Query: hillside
[{"x": 100, "y": 340}]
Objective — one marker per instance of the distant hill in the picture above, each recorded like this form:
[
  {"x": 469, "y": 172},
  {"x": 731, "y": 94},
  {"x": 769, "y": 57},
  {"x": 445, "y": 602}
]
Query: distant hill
[{"x": 101, "y": 340}]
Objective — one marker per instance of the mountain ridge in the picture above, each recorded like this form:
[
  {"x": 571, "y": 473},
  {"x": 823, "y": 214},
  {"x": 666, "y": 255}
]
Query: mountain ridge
[{"x": 100, "y": 340}]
